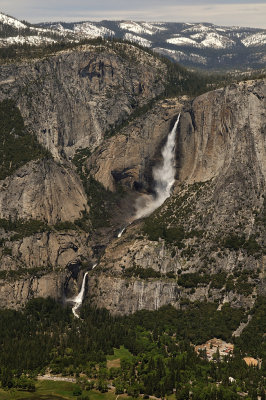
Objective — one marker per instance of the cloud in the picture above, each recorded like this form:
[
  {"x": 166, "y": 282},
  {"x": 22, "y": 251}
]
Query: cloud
[{"x": 220, "y": 12}]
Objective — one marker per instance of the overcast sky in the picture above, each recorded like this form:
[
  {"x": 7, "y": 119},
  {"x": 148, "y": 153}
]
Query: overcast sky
[{"x": 220, "y": 12}]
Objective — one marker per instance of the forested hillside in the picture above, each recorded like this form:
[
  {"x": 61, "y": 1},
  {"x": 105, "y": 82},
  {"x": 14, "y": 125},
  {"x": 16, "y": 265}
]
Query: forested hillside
[{"x": 159, "y": 359}]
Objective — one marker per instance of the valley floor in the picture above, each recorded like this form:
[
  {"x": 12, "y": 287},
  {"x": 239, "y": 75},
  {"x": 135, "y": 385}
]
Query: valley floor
[{"x": 56, "y": 390}]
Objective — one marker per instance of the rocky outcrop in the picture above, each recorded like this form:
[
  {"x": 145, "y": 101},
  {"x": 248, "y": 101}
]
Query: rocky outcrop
[
  {"x": 71, "y": 99},
  {"x": 42, "y": 265},
  {"x": 222, "y": 138},
  {"x": 16, "y": 292},
  {"x": 117, "y": 284},
  {"x": 131, "y": 295},
  {"x": 223, "y": 130},
  {"x": 43, "y": 190},
  {"x": 47, "y": 250}
]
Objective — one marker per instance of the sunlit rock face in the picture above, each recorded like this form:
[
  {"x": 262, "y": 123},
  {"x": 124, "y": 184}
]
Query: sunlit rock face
[{"x": 45, "y": 191}]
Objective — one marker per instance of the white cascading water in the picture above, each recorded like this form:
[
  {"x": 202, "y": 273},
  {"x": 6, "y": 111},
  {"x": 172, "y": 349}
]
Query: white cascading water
[
  {"x": 79, "y": 298},
  {"x": 121, "y": 232},
  {"x": 164, "y": 177}
]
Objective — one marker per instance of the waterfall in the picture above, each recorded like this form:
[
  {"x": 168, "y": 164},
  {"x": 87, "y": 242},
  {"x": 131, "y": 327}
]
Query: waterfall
[
  {"x": 121, "y": 232},
  {"x": 79, "y": 298},
  {"x": 164, "y": 178}
]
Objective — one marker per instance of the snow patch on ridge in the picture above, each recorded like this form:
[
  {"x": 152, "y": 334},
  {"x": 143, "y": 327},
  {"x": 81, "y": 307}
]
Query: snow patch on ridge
[
  {"x": 91, "y": 30},
  {"x": 144, "y": 28},
  {"x": 257, "y": 39},
  {"x": 198, "y": 28},
  {"x": 135, "y": 27},
  {"x": 216, "y": 41},
  {"x": 31, "y": 40},
  {"x": 209, "y": 40},
  {"x": 59, "y": 28},
  {"x": 5, "y": 19},
  {"x": 182, "y": 41},
  {"x": 178, "y": 55},
  {"x": 137, "y": 39}
]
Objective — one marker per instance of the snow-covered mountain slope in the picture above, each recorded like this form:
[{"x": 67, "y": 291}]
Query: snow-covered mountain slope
[
  {"x": 90, "y": 30},
  {"x": 31, "y": 40},
  {"x": 195, "y": 45},
  {"x": 143, "y": 28},
  {"x": 258, "y": 39},
  {"x": 137, "y": 39},
  {"x": 14, "y": 32},
  {"x": 13, "y": 22},
  {"x": 201, "y": 45}
]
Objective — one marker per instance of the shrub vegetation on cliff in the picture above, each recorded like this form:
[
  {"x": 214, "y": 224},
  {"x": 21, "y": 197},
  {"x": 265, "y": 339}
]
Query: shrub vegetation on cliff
[
  {"x": 22, "y": 227},
  {"x": 17, "y": 145},
  {"x": 100, "y": 200}
]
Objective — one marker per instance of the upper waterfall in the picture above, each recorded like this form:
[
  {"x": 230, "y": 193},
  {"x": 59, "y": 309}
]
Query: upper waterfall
[{"x": 164, "y": 178}]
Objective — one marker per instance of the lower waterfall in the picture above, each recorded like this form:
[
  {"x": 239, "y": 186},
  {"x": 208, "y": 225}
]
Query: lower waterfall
[{"x": 79, "y": 298}]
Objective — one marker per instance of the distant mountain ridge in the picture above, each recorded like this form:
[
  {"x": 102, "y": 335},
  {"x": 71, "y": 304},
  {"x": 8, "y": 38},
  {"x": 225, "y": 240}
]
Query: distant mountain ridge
[{"x": 201, "y": 45}]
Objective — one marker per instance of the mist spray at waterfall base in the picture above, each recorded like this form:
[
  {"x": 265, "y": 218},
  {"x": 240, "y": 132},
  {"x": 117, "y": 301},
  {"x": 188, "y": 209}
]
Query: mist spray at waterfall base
[{"x": 164, "y": 178}]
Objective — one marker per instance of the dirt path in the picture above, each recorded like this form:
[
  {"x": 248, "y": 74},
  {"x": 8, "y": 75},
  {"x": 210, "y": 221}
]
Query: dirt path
[{"x": 49, "y": 377}]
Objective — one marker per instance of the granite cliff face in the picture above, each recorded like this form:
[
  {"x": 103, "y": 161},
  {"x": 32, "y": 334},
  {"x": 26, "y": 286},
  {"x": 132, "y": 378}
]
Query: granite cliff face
[
  {"x": 41, "y": 265},
  {"x": 204, "y": 243},
  {"x": 71, "y": 99},
  {"x": 14, "y": 293},
  {"x": 51, "y": 192},
  {"x": 216, "y": 212},
  {"x": 45, "y": 191},
  {"x": 223, "y": 130}
]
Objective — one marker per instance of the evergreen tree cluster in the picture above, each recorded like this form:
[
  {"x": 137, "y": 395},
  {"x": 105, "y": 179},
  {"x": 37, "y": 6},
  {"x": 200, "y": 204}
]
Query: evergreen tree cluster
[
  {"x": 160, "y": 358},
  {"x": 17, "y": 145}
]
